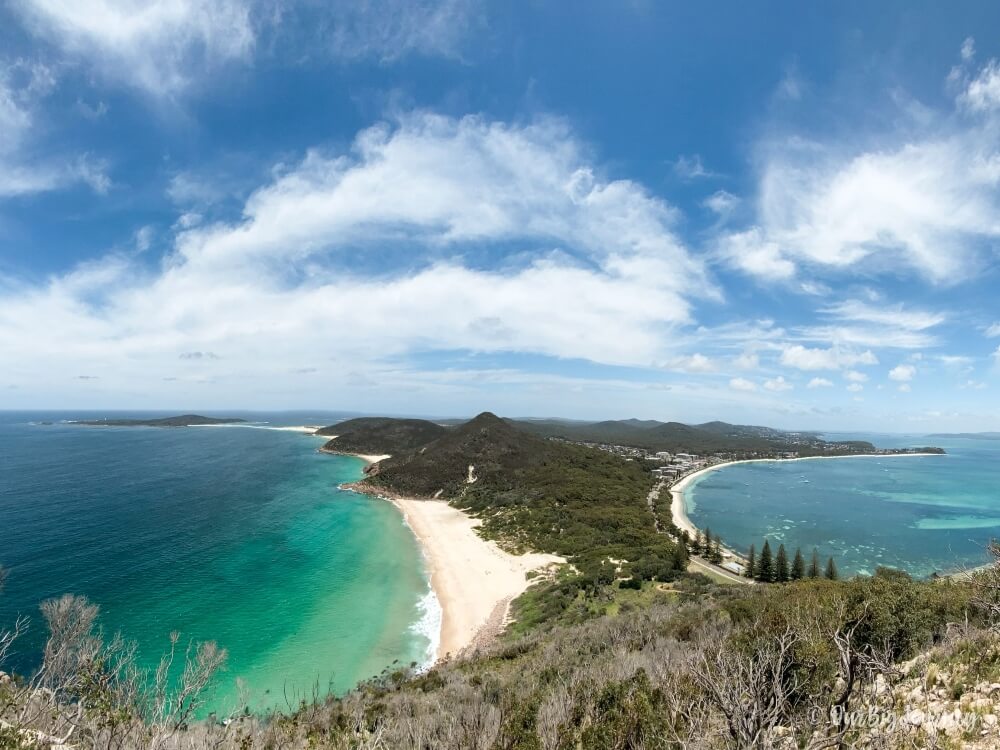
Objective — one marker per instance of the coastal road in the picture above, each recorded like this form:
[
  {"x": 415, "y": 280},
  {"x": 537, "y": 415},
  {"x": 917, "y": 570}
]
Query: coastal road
[
  {"x": 694, "y": 562},
  {"x": 701, "y": 565}
]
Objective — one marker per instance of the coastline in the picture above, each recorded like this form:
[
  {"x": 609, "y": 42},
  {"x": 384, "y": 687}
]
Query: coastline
[
  {"x": 473, "y": 579},
  {"x": 678, "y": 506}
]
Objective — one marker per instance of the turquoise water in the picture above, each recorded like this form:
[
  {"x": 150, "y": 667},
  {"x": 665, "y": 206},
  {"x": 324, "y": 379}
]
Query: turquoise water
[
  {"x": 232, "y": 534},
  {"x": 920, "y": 514}
]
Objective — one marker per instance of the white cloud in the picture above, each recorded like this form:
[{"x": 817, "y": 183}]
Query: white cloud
[
  {"x": 742, "y": 384},
  {"x": 778, "y": 384},
  {"x": 982, "y": 93},
  {"x": 968, "y": 50},
  {"x": 747, "y": 361},
  {"x": 23, "y": 170},
  {"x": 694, "y": 363},
  {"x": 886, "y": 315},
  {"x": 993, "y": 330},
  {"x": 904, "y": 388},
  {"x": 721, "y": 203},
  {"x": 370, "y": 255},
  {"x": 924, "y": 200},
  {"x": 855, "y": 387},
  {"x": 819, "y": 383},
  {"x": 388, "y": 30},
  {"x": 691, "y": 167},
  {"x": 834, "y": 358},
  {"x": 855, "y": 377},
  {"x": 902, "y": 373},
  {"x": 159, "y": 46},
  {"x": 751, "y": 252}
]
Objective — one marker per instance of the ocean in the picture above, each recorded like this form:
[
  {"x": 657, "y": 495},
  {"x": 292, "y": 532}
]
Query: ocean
[
  {"x": 233, "y": 534},
  {"x": 921, "y": 514}
]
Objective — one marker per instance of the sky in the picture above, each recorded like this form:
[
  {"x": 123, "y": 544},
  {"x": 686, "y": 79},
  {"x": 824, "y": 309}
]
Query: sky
[{"x": 769, "y": 213}]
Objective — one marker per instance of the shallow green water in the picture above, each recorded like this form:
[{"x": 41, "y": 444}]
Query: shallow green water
[{"x": 238, "y": 535}]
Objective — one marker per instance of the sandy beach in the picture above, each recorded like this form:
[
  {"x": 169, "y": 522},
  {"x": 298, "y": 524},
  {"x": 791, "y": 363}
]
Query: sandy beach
[
  {"x": 678, "y": 508},
  {"x": 474, "y": 580}
]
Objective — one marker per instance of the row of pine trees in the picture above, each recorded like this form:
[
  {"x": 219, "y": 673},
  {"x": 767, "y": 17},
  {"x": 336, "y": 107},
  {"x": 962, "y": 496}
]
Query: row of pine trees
[
  {"x": 770, "y": 568},
  {"x": 708, "y": 546}
]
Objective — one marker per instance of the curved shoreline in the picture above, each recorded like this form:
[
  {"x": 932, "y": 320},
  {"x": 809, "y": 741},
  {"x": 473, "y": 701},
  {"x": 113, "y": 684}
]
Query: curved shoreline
[
  {"x": 472, "y": 579},
  {"x": 678, "y": 506}
]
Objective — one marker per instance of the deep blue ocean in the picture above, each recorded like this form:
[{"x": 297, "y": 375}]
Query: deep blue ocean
[
  {"x": 232, "y": 534},
  {"x": 920, "y": 514}
]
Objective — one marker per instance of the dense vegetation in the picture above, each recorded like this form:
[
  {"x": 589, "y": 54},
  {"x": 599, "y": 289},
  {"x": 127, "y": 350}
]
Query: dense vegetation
[
  {"x": 586, "y": 505},
  {"x": 711, "y": 437},
  {"x": 380, "y": 435},
  {"x": 693, "y": 666}
]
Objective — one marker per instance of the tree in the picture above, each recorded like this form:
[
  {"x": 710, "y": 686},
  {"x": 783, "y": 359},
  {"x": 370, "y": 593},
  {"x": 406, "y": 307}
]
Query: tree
[
  {"x": 706, "y": 545},
  {"x": 814, "y": 565},
  {"x": 765, "y": 568},
  {"x": 831, "y": 569},
  {"x": 697, "y": 542},
  {"x": 798, "y": 565},
  {"x": 781, "y": 565},
  {"x": 751, "y": 563},
  {"x": 716, "y": 552}
]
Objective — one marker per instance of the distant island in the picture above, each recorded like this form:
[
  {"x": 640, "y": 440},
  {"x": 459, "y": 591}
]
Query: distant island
[{"x": 185, "y": 420}]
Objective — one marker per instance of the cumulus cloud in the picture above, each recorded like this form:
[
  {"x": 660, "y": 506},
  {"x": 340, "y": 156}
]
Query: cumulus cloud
[
  {"x": 855, "y": 387},
  {"x": 371, "y": 254},
  {"x": 993, "y": 330},
  {"x": 902, "y": 373},
  {"x": 747, "y": 361},
  {"x": 834, "y": 358},
  {"x": 742, "y": 384},
  {"x": 855, "y": 377},
  {"x": 820, "y": 383},
  {"x": 778, "y": 384}
]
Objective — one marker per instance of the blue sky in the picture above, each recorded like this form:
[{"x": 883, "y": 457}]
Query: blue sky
[{"x": 773, "y": 213}]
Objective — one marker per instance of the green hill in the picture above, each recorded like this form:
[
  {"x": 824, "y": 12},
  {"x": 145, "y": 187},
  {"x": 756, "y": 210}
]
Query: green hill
[
  {"x": 550, "y": 496},
  {"x": 381, "y": 435}
]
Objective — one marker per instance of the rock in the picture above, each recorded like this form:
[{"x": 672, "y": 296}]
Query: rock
[
  {"x": 990, "y": 720},
  {"x": 914, "y": 718}
]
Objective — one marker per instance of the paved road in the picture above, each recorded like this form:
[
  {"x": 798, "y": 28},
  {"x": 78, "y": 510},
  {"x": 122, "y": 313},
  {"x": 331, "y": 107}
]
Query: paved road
[{"x": 727, "y": 574}]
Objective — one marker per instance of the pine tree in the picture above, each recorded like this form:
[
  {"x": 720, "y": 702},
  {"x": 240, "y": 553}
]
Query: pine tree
[
  {"x": 706, "y": 545},
  {"x": 831, "y": 569},
  {"x": 717, "y": 551},
  {"x": 751, "y": 563},
  {"x": 680, "y": 557},
  {"x": 814, "y": 565},
  {"x": 765, "y": 568},
  {"x": 798, "y": 565},
  {"x": 697, "y": 542},
  {"x": 781, "y": 565}
]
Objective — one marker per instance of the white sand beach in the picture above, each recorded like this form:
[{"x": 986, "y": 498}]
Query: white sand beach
[
  {"x": 474, "y": 580},
  {"x": 678, "y": 508}
]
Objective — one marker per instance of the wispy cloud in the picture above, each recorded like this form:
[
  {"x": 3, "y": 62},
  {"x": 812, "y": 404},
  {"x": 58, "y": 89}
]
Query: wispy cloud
[
  {"x": 924, "y": 202},
  {"x": 160, "y": 47}
]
